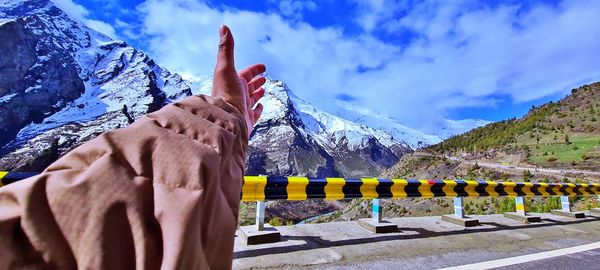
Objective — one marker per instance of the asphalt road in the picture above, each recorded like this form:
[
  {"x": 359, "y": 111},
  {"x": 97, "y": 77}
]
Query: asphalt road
[
  {"x": 425, "y": 243},
  {"x": 520, "y": 169},
  {"x": 559, "y": 172},
  {"x": 583, "y": 260}
]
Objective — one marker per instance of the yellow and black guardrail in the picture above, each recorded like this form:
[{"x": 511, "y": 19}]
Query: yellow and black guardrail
[
  {"x": 267, "y": 188},
  {"x": 262, "y": 188}
]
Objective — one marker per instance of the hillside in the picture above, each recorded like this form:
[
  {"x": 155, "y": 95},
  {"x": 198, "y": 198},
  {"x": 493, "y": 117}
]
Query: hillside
[{"x": 563, "y": 134}]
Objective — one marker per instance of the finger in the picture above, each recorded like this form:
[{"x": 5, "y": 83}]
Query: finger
[
  {"x": 256, "y": 83},
  {"x": 258, "y": 94},
  {"x": 251, "y": 71},
  {"x": 225, "y": 54},
  {"x": 257, "y": 112}
]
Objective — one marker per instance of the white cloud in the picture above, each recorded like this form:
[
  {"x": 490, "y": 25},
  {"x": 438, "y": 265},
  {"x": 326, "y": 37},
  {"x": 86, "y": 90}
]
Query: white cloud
[
  {"x": 294, "y": 8},
  {"x": 72, "y": 9},
  {"x": 460, "y": 54},
  {"x": 80, "y": 13},
  {"x": 102, "y": 27},
  {"x": 371, "y": 12}
]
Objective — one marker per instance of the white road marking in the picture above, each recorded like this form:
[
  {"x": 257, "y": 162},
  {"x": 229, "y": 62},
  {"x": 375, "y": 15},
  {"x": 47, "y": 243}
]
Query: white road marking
[{"x": 525, "y": 258}]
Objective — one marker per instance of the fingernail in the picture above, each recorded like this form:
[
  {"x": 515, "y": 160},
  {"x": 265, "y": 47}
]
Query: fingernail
[{"x": 222, "y": 30}]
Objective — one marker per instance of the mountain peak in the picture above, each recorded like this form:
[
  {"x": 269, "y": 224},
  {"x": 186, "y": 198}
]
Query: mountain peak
[
  {"x": 21, "y": 8},
  {"x": 71, "y": 83}
]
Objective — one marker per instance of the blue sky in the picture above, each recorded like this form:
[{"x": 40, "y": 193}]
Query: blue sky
[{"x": 416, "y": 61}]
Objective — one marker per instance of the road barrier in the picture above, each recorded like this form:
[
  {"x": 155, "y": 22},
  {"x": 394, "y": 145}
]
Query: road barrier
[
  {"x": 262, "y": 188},
  {"x": 267, "y": 188}
]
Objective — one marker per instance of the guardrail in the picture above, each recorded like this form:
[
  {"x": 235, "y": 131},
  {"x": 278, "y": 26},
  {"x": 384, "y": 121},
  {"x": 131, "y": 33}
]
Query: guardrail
[
  {"x": 263, "y": 188},
  {"x": 267, "y": 188}
]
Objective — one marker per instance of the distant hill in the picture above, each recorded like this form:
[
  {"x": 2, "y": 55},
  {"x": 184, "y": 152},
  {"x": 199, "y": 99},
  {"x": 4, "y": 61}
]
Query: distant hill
[{"x": 563, "y": 134}]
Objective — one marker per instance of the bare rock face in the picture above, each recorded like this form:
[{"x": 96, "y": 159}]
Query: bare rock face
[
  {"x": 37, "y": 77},
  {"x": 62, "y": 84}
]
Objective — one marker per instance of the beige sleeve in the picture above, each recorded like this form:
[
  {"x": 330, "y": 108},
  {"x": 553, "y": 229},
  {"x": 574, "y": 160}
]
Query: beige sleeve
[{"x": 161, "y": 193}]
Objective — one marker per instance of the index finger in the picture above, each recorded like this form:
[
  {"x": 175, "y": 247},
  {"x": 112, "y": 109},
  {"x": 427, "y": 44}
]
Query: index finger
[{"x": 251, "y": 71}]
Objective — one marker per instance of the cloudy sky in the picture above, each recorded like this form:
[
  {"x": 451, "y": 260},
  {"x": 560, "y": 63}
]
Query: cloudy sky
[{"x": 416, "y": 61}]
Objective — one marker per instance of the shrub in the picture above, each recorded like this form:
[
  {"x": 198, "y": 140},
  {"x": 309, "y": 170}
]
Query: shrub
[{"x": 275, "y": 222}]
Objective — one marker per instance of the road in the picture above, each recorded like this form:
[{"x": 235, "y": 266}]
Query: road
[
  {"x": 578, "y": 257},
  {"x": 583, "y": 260},
  {"x": 422, "y": 243},
  {"x": 532, "y": 169},
  {"x": 519, "y": 169}
]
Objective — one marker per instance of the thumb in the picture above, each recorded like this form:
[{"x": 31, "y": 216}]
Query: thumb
[{"x": 225, "y": 54}]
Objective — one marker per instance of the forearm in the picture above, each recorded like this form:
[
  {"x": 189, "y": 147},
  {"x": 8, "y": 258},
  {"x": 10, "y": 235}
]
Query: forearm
[{"x": 146, "y": 191}]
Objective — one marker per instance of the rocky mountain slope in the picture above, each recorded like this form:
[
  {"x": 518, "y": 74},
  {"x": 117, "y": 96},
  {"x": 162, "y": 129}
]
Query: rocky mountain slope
[
  {"x": 63, "y": 83},
  {"x": 295, "y": 138}
]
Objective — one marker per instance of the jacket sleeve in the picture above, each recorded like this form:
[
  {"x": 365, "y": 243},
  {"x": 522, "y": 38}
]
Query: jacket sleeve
[{"x": 161, "y": 193}]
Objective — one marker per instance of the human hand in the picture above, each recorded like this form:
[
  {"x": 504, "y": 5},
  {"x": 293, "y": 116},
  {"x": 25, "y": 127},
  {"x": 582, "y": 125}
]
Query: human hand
[{"x": 241, "y": 90}]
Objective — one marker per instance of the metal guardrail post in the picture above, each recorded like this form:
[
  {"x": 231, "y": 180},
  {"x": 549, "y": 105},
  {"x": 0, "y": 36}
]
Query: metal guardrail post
[
  {"x": 565, "y": 203},
  {"x": 459, "y": 210},
  {"x": 377, "y": 211},
  {"x": 260, "y": 215},
  {"x": 520, "y": 205}
]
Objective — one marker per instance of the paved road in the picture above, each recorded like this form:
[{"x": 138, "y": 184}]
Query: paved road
[
  {"x": 422, "y": 243},
  {"x": 520, "y": 169},
  {"x": 583, "y": 260},
  {"x": 577, "y": 257},
  {"x": 559, "y": 172}
]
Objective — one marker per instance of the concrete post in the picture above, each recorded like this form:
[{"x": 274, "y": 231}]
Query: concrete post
[
  {"x": 376, "y": 223},
  {"x": 521, "y": 213},
  {"x": 459, "y": 217},
  {"x": 520, "y": 205},
  {"x": 377, "y": 211},
  {"x": 260, "y": 215},
  {"x": 565, "y": 203},
  {"x": 566, "y": 209},
  {"x": 259, "y": 233},
  {"x": 459, "y": 210}
]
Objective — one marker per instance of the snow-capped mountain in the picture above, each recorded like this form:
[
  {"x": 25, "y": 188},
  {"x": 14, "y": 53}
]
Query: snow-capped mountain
[
  {"x": 63, "y": 83},
  {"x": 424, "y": 137},
  {"x": 414, "y": 138},
  {"x": 293, "y": 137}
]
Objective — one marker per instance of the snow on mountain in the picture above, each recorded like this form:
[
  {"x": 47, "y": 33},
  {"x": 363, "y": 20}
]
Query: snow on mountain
[
  {"x": 414, "y": 138},
  {"x": 330, "y": 146},
  {"x": 65, "y": 83}
]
